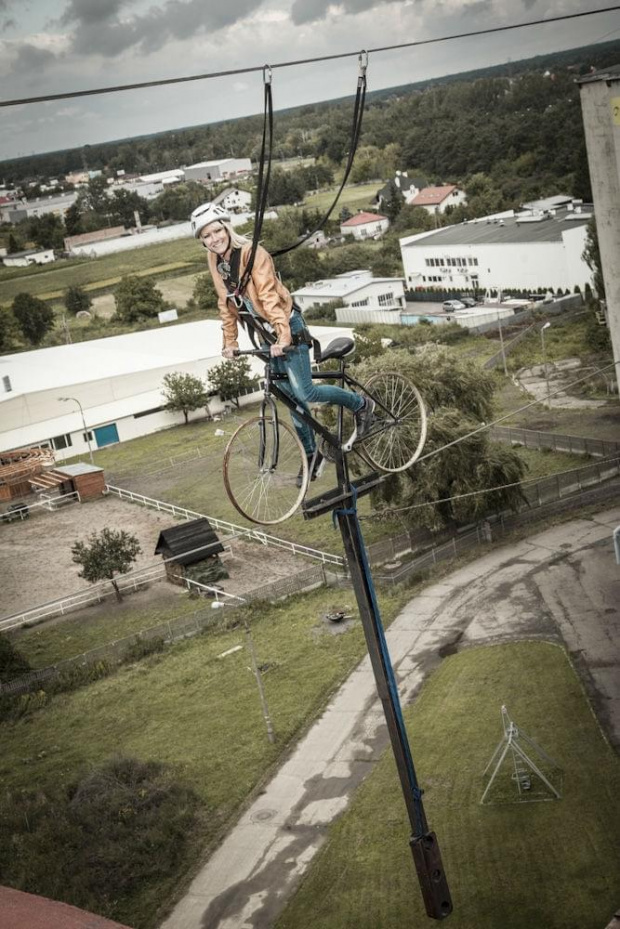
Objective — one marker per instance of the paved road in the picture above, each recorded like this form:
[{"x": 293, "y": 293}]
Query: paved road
[{"x": 560, "y": 584}]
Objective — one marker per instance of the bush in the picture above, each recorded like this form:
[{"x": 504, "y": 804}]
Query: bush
[
  {"x": 99, "y": 843},
  {"x": 142, "y": 648},
  {"x": 12, "y": 662}
]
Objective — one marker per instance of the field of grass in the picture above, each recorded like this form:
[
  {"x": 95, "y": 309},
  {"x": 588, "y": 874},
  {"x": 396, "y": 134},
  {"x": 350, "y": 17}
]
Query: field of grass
[
  {"x": 197, "y": 712},
  {"x": 101, "y": 272},
  {"x": 355, "y": 196},
  {"x": 514, "y": 865},
  {"x": 48, "y": 643},
  {"x": 563, "y": 339},
  {"x": 601, "y": 423}
]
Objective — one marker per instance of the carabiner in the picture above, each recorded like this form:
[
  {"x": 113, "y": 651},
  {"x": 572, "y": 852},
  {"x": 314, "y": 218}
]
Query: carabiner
[
  {"x": 267, "y": 74},
  {"x": 363, "y": 62}
]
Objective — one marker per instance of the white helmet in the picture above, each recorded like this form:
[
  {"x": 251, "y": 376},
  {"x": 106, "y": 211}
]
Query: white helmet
[{"x": 205, "y": 214}]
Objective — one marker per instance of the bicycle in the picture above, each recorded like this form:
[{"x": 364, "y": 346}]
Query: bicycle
[{"x": 264, "y": 458}]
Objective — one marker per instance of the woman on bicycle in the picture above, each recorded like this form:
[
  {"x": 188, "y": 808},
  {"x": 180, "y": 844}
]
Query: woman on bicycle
[{"x": 267, "y": 301}]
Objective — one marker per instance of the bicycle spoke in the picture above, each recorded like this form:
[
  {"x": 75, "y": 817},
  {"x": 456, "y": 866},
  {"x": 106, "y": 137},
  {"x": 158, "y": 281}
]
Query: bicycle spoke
[
  {"x": 398, "y": 439},
  {"x": 264, "y": 494}
]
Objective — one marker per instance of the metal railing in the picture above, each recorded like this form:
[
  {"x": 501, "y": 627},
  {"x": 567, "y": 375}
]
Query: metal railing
[
  {"x": 45, "y": 502},
  {"x": 574, "y": 444},
  {"x": 229, "y": 528}
]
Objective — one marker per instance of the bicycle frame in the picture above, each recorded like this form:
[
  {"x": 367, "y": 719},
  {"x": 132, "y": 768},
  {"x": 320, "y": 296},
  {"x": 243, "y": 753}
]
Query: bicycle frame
[{"x": 271, "y": 387}]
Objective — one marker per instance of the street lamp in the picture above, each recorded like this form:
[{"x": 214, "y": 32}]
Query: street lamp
[
  {"x": 544, "y": 353},
  {"x": 501, "y": 342},
  {"x": 75, "y": 400}
]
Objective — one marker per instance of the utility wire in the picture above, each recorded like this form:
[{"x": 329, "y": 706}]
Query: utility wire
[
  {"x": 94, "y": 91},
  {"x": 513, "y": 413},
  {"x": 485, "y": 490}
]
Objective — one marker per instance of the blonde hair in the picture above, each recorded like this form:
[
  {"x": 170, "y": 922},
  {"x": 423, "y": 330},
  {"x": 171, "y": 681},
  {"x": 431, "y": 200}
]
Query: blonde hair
[{"x": 236, "y": 240}]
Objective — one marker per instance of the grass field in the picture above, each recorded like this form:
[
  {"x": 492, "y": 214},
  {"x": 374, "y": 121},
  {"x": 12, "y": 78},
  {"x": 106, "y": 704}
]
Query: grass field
[
  {"x": 601, "y": 423},
  {"x": 197, "y": 712},
  {"x": 515, "y": 865},
  {"x": 101, "y": 272},
  {"x": 356, "y": 197}
]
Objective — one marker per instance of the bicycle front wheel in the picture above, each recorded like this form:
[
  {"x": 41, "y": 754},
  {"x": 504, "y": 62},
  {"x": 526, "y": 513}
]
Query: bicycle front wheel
[
  {"x": 398, "y": 434},
  {"x": 263, "y": 466}
]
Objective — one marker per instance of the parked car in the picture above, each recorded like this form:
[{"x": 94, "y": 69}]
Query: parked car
[
  {"x": 15, "y": 511},
  {"x": 451, "y": 305},
  {"x": 468, "y": 301}
]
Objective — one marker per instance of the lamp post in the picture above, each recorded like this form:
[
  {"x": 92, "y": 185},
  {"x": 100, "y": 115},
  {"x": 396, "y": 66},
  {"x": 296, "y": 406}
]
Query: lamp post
[
  {"x": 544, "y": 353},
  {"x": 75, "y": 400},
  {"x": 501, "y": 342}
]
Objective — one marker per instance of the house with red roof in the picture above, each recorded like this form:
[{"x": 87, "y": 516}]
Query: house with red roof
[
  {"x": 365, "y": 225},
  {"x": 438, "y": 199}
]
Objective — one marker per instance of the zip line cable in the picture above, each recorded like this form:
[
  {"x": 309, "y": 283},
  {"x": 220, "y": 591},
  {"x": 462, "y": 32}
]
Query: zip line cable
[
  {"x": 501, "y": 419},
  {"x": 94, "y": 91},
  {"x": 437, "y": 451}
]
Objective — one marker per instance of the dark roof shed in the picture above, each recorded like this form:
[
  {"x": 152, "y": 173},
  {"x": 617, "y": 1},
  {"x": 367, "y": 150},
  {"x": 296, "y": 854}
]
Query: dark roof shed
[{"x": 190, "y": 542}]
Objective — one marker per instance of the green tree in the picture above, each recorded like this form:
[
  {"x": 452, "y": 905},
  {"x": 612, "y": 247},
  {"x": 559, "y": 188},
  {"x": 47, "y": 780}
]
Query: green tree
[
  {"x": 592, "y": 257},
  {"x": 231, "y": 378},
  {"x": 34, "y": 317},
  {"x": 124, "y": 204},
  {"x": 106, "y": 554},
  {"x": 47, "y": 231},
  {"x": 9, "y": 329},
  {"x": 137, "y": 298},
  {"x": 184, "y": 393},
  {"x": 458, "y": 395},
  {"x": 76, "y": 300},
  {"x": 73, "y": 220},
  {"x": 14, "y": 244},
  {"x": 12, "y": 662},
  {"x": 204, "y": 296}
]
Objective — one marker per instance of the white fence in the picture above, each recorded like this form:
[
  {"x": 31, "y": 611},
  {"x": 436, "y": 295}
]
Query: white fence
[
  {"x": 230, "y": 528},
  {"x": 45, "y": 502}
]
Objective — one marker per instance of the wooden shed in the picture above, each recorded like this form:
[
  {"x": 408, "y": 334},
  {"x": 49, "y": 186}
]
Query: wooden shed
[
  {"x": 88, "y": 480},
  {"x": 18, "y": 466},
  {"x": 191, "y": 551}
]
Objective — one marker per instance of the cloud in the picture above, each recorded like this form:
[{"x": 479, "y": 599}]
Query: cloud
[
  {"x": 101, "y": 28},
  {"x": 91, "y": 11},
  {"x": 307, "y": 11}
]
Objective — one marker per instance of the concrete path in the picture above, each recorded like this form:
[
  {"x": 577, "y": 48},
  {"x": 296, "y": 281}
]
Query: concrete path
[
  {"x": 560, "y": 584},
  {"x": 560, "y": 373}
]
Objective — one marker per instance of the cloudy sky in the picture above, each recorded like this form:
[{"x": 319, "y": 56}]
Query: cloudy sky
[{"x": 56, "y": 46}]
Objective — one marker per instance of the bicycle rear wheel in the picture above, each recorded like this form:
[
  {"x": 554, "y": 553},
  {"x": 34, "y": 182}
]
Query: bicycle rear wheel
[
  {"x": 260, "y": 479},
  {"x": 398, "y": 434}
]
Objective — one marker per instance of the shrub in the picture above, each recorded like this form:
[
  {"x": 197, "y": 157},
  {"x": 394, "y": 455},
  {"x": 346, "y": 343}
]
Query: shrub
[
  {"x": 12, "y": 662},
  {"x": 120, "y": 829}
]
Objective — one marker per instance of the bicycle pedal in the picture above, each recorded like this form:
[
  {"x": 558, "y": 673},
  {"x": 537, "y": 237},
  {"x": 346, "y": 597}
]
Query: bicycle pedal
[{"x": 319, "y": 471}]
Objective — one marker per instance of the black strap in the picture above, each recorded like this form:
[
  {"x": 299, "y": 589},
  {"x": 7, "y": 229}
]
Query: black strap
[
  {"x": 262, "y": 184},
  {"x": 356, "y": 128}
]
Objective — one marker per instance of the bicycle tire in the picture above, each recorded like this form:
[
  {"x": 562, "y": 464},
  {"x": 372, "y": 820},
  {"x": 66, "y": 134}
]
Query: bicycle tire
[
  {"x": 265, "y": 495},
  {"x": 397, "y": 438}
]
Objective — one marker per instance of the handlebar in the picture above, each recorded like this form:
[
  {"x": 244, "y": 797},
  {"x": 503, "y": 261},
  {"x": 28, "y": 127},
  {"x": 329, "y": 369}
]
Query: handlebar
[{"x": 259, "y": 351}]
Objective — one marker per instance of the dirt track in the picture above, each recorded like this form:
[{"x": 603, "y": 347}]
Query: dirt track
[{"x": 35, "y": 555}]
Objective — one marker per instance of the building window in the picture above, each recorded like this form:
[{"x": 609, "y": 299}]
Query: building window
[
  {"x": 385, "y": 299},
  {"x": 476, "y": 262},
  {"x": 155, "y": 409},
  {"x": 442, "y": 263},
  {"x": 427, "y": 262},
  {"x": 62, "y": 441},
  {"x": 87, "y": 437},
  {"x": 360, "y": 302}
]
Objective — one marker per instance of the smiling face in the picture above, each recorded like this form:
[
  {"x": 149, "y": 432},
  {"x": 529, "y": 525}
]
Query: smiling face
[{"x": 215, "y": 237}]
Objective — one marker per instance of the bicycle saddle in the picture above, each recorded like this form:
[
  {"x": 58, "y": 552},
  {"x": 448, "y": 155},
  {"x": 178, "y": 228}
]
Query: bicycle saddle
[{"x": 339, "y": 348}]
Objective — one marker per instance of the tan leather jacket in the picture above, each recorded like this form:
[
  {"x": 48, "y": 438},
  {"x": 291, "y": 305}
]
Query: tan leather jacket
[{"x": 268, "y": 296}]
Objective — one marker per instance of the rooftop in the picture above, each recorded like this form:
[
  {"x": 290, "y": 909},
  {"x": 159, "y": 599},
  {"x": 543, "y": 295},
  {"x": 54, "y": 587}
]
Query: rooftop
[
  {"x": 343, "y": 285},
  {"x": 181, "y": 542},
  {"x": 363, "y": 218},
  {"x": 520, "y": 227},
  {"x": 430, "y": 196}
]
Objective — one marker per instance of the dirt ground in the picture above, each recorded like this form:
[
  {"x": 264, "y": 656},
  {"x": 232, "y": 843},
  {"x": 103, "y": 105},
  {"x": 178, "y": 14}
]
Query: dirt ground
[{"x": 35, "y": 554}]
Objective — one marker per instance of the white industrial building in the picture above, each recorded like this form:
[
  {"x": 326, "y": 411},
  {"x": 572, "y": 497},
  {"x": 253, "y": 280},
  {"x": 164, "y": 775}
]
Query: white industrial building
[
  {"x": 234, "y": 199},
  {"x": 32, "y": 256},
  {"x": 117, "y": 381},
  {"x": 26, "y": 209},
  {"x": 354, "y": 289},
  {"x": 218, "y": 170},
  {"x": 538, "y": 247}
]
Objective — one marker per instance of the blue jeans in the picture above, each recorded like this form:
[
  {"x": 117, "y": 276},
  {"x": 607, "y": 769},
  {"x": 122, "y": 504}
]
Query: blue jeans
[{"x": 300, "y": 387}]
